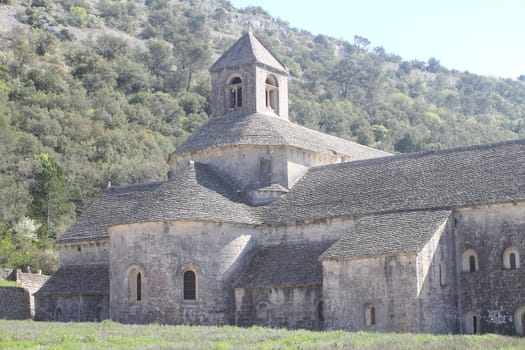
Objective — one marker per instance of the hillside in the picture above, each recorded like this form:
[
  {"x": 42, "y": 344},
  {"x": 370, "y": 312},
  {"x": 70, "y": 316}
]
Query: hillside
[{"x": 103, "y": 91}]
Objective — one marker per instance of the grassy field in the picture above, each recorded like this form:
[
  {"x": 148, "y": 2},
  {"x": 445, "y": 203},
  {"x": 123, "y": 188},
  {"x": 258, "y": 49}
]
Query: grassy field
[
  {"x": 5, "y": 283},
  {"x": 110, "y": 335}
]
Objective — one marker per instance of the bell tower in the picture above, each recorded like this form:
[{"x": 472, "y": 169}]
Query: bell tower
[{"x": 249, "y": 79}]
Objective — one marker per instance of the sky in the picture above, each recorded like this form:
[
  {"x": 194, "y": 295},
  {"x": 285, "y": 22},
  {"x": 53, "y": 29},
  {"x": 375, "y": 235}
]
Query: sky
[{"x": 484, "y": 37}]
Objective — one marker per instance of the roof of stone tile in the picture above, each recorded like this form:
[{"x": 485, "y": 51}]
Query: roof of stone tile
[
  {"x": 77, "y": 280},
  {"x": 261, "y": 129},
  {"x": 194, "y": 193},
  {"x": 451, "y": 178},
  {"x": 285, "y": 265},
  {"x": 405, "y": 232},
  {"x": 248, "y": 49}
]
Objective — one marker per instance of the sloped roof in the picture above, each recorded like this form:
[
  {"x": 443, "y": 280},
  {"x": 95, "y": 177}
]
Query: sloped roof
[
  {"x": 248, "y": 49},
  {"x": 427, "y": 180},
  {"x": 77, "y": 280},
  {"x": 261, "y": 129},
  {"x": 285, "y": 265},
  {"x": 405, "y": 232},
  {"x": 194, "y": 193}
]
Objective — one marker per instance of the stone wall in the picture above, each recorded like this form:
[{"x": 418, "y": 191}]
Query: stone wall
[
  {"x": 290, "y": 307},
  {"x": 90, "y": 252},
  {"x": 14, "y": 303},
  {"x": 492, "y": 294},
  {"x": 437, "y": 283},
  {"x": 31, "y": 282},
  {"x": 76, "y": 308},
  {"x": 388, "y": 283},
  {"x": 162, "y": 252}
]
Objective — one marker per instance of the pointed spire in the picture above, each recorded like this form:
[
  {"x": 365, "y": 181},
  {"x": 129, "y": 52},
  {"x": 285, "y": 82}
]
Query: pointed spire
[{"x": 248, "y": 49}]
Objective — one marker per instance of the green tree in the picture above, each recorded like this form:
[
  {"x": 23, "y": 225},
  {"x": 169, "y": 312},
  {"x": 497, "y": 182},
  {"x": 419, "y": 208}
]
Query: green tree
[{"x": 51, "y": 205}]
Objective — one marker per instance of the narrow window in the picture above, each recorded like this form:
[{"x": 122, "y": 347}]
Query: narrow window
[
  {"x": 263, "y": 316},
  {"x": 472, "y": 322},
  {"x": 370, "y": 315},
  {"x": 190, "y": 286},
  {"x": 135, "y": 285},
  {"x": 320, "y": 312},
  {"x": 99, "y": 314},
  {"x": 235, "y": 93},
  {"x": 443, "y": 273},
  {"x": 139, "y": 286},
  {"x": 58, "y": 314},
  {"x": 266, "y": 170},
  {"x": 271, "y": 93},
  {"x": 469, "y": 261},
  {"x": 512, "y": 260},
  {"x": 523, "y": 324},
  {"x": 472, "y": 263}
]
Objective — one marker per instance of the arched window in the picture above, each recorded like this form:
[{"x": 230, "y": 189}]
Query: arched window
[
  {"x": 511, "y": 258},
  {"x": 263, "y": 314},
  {"x": 135, "y": 285},
  {"x": 469, "y": 261},
  {"x": 99, "y": 314},
  {"x": 58, "y": 314},
  {"x": 370, "y": 315},
  {"x": 235, "y": 93},
  {"x": 190, "y": 285},
  {"x": 472, "y": 323},
  {"x": 519, "y": 320},
  {"x": 320, "y": 312},
  {"x": 442, "y": 273},
  {"x": 271, "y": 93}
]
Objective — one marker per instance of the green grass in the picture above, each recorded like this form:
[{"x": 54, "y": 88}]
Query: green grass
[
  {"x": 6, "y": 283},
  {"x": 111, "y": 335}
]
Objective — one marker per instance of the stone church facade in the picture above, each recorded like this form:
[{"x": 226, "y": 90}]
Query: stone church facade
[{"x": 262, "y": 221}]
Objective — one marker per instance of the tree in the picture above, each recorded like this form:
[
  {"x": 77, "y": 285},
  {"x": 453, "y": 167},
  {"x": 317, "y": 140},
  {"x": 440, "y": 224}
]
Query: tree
[
  {"x": 191, "y": 44},
  {"x": 51, "y": 206}
]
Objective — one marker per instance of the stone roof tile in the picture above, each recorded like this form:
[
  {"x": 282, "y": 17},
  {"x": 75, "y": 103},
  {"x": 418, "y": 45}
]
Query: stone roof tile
[
  {"x": 194, "y": 193},
  {"x": 405, "y": 232},
  {"x": 261, "y": 129},
  {"x": 248, "y": 49},
  {"x": 285, "y": 265},
  {"x": 428, "y": 180},
  {"x": 77, "y": 280}
]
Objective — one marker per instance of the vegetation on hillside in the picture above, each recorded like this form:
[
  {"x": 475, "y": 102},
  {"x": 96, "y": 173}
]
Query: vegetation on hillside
[
  {"x": 50, "y": 335},
  {"x": 102, "y": 91}
]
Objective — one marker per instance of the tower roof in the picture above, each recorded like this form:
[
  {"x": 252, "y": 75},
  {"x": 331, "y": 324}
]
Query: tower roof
[{"x": 248, "y": 49}]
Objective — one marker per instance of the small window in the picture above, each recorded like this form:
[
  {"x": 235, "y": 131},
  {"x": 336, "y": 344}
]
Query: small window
[
  {"x": 235, "y": 93},
  {"x": 320, "y": 312},
  {"x": 472, "y": 323},
  {"x": 370, "y": 315},
  {"x": 469, "y": 261},
  {"x": 511, "y": 258},
  {"x": 58, "y": 314},
  {"x": 265, "y": 168},
  {"x": 99, "y": 314},
  {"x": 135, "y": 285},
  {"x": 263, "y": 315},
  {"x": 271, "y": 93},
  {"x": 519, "y": 320},
  {"x": 190, "y": 285},
  {"x": 472, "y": 263},
  {"x": 443, "y": 273}
]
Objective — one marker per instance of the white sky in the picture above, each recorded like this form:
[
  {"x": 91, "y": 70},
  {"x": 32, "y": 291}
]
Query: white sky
[{"x": 484, "y": 36}]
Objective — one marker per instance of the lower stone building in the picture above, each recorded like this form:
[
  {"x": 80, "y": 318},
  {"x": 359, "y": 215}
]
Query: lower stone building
[
  {"x": 264, "y": 222},
  {"x": 17, "y": 302}
]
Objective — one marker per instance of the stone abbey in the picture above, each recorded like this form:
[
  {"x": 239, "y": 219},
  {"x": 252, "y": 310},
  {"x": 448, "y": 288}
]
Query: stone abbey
[{"x": 265, "y": 222}]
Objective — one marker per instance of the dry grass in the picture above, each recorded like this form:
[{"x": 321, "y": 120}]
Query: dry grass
[{"x": 110, "y": 335}]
